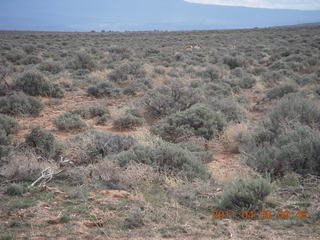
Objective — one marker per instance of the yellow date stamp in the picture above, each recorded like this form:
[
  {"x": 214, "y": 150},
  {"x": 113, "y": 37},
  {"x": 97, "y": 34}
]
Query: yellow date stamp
[{"x": 259, "y": 215}]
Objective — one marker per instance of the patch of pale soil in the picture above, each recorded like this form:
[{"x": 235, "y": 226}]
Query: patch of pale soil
[{"x": 227, "y": 167}]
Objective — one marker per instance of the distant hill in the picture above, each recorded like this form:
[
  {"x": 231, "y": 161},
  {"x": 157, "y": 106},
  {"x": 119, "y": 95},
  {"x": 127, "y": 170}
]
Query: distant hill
[{"x": 121, "y": 15}]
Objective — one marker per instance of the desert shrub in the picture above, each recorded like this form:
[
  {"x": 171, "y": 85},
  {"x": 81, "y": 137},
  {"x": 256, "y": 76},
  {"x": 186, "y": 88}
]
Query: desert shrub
[
  {"x": 295, "y": 149},
  {"x": 123, "y": 72},
  {"x": 91, "y": 111},
  {"x": 31, "y": 60},
  {"x": 168, "y": 158},
  {"x": 82, "y": 61},
  {"x": 217, "y": 89},
  {"x": 280, "y": 91},
  {"x": 128, "y": 121},
  {"x": 14, "y": 56},
  {"x": 102, "y": 120},
  {"x": 234, "y": 62},
  {"x": 211, "y": 73},
  {"x": 245, "y": 195},
  {"x": 51, "y": 67},
  {"x": 119, "y": 53},
  {"x": 198, "y": 120},
  {"x": 44, "y": 143},
  {"x": 247, "y": 82},
  {"x": 35, "y": 84},
  {"x": 229, "y": 107},
  {"x": 18, "y": 103},
  {"x": 69, "y": 121},
  {"x": 294, "y": 108},
  {"x": 138, "y": 85},
  {"x": 8, "y": 124},
  {"x": 29, "y": 49},
  {"x": 165, "y": 100},
  {"x": 105, "y": 89},
  {"x": 15, "y": 189},
  {"x": 271, "y": 78},
  {"x": 95, "y": 144}
]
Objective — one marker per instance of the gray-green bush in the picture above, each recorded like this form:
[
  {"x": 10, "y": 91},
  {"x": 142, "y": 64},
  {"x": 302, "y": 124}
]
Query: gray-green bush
[
  {"x": 168, "y": 158},
  {"x": 18, "y": 103},
  {"x": 198, "y": 120},
  {"x": 69, "y": 121},
  {"x": 35, "y": 84},
  {"x": 245, "y": 195}
]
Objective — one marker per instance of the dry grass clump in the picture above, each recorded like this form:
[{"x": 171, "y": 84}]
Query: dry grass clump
[{"x": 232, "y": 135}]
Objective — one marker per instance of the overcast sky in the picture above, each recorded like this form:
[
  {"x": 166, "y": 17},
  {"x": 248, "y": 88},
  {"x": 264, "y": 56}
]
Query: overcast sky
[{"x": 273, "y": 4}]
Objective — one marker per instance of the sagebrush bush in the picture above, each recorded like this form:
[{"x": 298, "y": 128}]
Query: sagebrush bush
[
  {"x": 43, "y": 143},
  {"x": 168, "y": 158},
  {"x": 280, "y": 91},
  {"x": 82, "y": 61},
  {"x": 295, "y": 149},
  {"x": 69, "y": 121},
  {"x": 96, "y": 144},
  {"x": 198, "y": 120},
  {"x": 163, "y": 100},
  {"x": 91, "y": 111},
  {"x": 18, "y": 103},
  {"x": 34, "y": 84},
  {"x": 31, "y": 60},
  {"x": 245, "y": 195},
  {"x": 15, "y": 189},
  {"x": 50, "y": 67},
  {"x": 234, "y": 62},
  {"x": 211, "y": 73},
  {"x": 123, "y": 72},
  {"x": 105, "y": 89},
  {"x": 294, "y": 108},
  {"x": 8, "y": 126},
  {"x": 229, "y": 107},
  {"x": 128, "y": 121}
]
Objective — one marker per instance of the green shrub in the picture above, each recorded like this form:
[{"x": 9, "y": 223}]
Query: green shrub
[
  {"x": 94, "y": 144},
  {"x": 14, "y": 56},
  {"x": 29, "y": 49},
  {"x": 128, "y": 121},
  {"x": 295, "y": 149},
  {"x": 34, "y": 84},
  {"x": 69, "y": 121},
  {"x": 247, "y": 82},
  {"x": 50, "y": 67},
  {"x": 31, "y": 60},
  {"x": 18, "y": 103},
  {"x": 91, "y": 111},
  {"x": 82, "y": 61},
  {"x": 245, "y": 195},
  {"x": 280, "y": 91},
  {"x": 231, "y": 110},
  {"x": 122, "y": 73},
  {"x": 198, "y": 120},
  {"x": 15, "y": 189},
  {"x": 102, "y": 120},
  {"x": 168, "y": 158},
  {"x": 163, "y": 100},
  {"x": 211, "y": 73},
  {"x": 105, "y": 89},
  {"x": 44, "y": 143},
  {"x": 294, "y": 108},
  {"x": 8, "y": 124},
  {"x": 234, "y": 62}
]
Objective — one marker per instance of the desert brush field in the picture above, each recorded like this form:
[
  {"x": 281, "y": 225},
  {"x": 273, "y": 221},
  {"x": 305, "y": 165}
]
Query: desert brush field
[{"x": 160, "y": 135}]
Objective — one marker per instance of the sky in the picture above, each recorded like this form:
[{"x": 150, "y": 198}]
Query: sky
[
  {"x": 140, "y": 15},
  {"x": 270, "y": 4}
]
